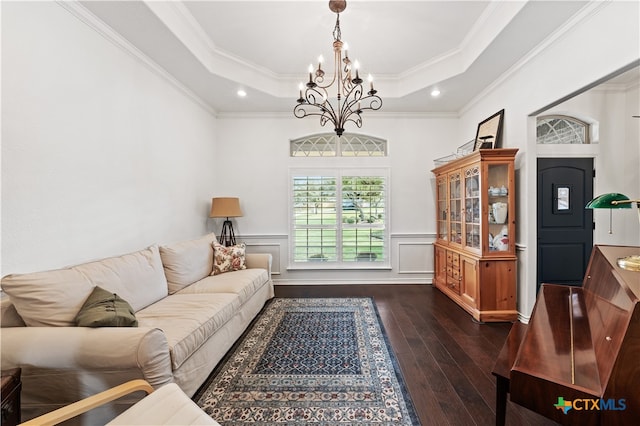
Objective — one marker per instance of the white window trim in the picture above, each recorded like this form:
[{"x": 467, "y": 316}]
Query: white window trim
[{"x": 339, "y": 172}]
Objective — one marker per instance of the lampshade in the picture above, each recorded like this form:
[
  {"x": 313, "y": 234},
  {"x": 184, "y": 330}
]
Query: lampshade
[
  {"x": 613, "y": 200},
  {"x": 225, "y": 207},
  {"x": 609, "y": 201}
]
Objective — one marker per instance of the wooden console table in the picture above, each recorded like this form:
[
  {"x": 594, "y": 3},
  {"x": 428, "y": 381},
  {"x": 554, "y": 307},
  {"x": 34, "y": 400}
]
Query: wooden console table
[{"x": 11, "y": 387}]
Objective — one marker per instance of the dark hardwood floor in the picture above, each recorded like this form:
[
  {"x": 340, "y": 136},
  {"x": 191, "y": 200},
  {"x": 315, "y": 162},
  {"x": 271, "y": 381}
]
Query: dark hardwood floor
[{"x": 446, "y": 358}]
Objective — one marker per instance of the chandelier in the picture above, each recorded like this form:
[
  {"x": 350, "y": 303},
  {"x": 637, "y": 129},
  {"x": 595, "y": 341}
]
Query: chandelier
[{"x": 350, "y": 99}]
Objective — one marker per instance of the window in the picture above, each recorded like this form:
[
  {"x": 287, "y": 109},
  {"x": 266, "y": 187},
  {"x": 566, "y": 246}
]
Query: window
[
  {"x": 330, "y": 145},
  {"x": 558, "y": 129},
  {"x": 339, "y": 217}
]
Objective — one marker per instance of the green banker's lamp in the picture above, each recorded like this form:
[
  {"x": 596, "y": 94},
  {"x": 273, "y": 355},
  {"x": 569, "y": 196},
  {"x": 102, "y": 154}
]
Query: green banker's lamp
[{"x": 618, "y": 201}]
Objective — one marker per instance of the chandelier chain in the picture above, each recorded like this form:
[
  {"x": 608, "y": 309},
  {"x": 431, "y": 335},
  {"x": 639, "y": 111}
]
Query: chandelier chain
[{"x": 337, "y": 34}]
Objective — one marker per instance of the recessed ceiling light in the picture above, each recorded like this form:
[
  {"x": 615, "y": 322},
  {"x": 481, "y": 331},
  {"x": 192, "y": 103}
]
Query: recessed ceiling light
[
  {"x": 242, "y": 93},
  {"x": 435, "y": 93}
]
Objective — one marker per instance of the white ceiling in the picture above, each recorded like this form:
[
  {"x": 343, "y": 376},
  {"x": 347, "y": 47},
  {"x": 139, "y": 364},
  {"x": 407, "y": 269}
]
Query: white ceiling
[{"x": 264, "y": 47}]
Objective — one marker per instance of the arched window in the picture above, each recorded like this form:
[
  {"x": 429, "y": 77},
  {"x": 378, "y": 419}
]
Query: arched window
[
  {"x": 330, "y": 145},
  {"x": 561, "y": 129}
]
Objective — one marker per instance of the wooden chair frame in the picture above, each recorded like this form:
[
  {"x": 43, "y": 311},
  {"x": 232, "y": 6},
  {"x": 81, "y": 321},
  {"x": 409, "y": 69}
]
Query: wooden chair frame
[{"x": 89, "y": 403}]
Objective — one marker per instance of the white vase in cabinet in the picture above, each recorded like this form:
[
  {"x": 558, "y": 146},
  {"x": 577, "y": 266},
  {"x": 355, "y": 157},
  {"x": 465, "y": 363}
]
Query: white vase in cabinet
[{"x": 499, "y": 210}]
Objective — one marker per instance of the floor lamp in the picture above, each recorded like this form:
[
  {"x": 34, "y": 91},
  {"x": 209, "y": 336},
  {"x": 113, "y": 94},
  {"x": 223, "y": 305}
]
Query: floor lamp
[
  {"x": 618, "y": 201},
  {"x": 226, "y": 207}
]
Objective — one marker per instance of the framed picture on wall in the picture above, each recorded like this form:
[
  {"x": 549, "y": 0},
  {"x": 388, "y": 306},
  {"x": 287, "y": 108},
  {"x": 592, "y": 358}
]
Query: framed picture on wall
[{"x": 489, "y": 133}]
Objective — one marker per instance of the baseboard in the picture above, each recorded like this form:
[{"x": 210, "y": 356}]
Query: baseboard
[{"x": 417, "y": 281}]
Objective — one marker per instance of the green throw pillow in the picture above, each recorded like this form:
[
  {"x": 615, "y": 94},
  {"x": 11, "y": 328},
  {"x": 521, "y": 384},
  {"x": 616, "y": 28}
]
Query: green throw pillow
[{"x": 105, "y": 309}]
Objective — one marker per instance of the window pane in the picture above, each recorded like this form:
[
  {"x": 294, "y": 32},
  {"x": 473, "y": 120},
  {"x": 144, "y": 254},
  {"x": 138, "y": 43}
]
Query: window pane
[
  {"x": 353, "y": 145},
  {"x": 323, "y": 145},
  {"x": 315, "y": 245},
  {"x": 314, "y": 200},
  {"x": 363, "y": 217},
  {"x": 363, "y": 245},
  {"x": 363, "y": 199}
]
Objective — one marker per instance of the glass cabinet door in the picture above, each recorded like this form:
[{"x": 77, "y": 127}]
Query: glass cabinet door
[
  {"x": 455, "y": 208},
  {"x": 442, "y": 208},
  {"x": 498, "y": 206},
  {"x": 472, "y": 230}
]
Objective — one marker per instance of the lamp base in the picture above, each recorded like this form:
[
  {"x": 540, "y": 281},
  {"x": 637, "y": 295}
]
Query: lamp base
[
  {"x": 227, "y": 237},
  {"x": 630, "y": 263}
]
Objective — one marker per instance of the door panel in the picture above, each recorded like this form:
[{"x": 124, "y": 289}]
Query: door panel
[
  {"x": 469, "y": 280},
  {"x": 565, "y": 227}
]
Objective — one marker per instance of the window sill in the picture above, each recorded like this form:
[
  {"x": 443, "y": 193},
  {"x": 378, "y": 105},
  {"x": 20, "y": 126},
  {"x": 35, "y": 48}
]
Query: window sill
[{"x": 335, "y": 267}]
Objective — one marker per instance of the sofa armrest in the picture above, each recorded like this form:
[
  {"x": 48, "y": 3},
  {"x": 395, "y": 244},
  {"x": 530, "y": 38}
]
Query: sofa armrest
[
  {"x": 90, "y": 349},
  {"x": 259, "y": 260}
]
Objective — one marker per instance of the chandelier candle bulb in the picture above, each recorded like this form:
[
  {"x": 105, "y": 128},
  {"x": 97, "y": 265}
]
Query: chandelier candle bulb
[{"x": 370, "y": 78}]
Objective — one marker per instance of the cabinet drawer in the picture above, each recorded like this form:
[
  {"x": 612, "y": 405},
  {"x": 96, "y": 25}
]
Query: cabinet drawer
[
  {"x": 453, "y": 259},
  {"x": 456, "y": 274},
  {"x": 453, "y": 284},
  {"x": 453, "y": 273}
]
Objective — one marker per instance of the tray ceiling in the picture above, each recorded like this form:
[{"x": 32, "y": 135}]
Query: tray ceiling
[{"x": 215, "y": 48}]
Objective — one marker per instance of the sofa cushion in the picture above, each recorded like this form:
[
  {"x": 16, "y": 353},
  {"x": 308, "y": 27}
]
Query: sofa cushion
[
  {"x": 187, "y": 262},
  {"x": 105, "y": 309},
  {"x": 53, "y": 298},
  {"x": 244, "y": 283},
  {"x": 188, "y": 320},
  {"x": 228, "y": 259},
  {"x": 137, "y": 277},
  {"x": 50, "y": 298}
]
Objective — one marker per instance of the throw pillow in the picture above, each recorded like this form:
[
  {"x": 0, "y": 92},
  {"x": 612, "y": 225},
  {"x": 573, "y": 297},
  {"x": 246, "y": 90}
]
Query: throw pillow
[
  {"x": 105, "y": 309},
  {"x": 227, "y": 259}
]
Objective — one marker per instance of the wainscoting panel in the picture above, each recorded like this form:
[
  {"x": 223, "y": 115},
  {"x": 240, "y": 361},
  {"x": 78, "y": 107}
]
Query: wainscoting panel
[
  {"x": 414, "y": 257},
  {"x": 274, "y": 249}
]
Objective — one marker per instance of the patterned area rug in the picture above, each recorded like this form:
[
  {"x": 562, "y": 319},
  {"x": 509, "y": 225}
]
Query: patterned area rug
[{"x": 320, "y": 361}]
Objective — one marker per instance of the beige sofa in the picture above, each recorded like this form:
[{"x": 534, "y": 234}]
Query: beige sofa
[{"x": 187, "y": 320}]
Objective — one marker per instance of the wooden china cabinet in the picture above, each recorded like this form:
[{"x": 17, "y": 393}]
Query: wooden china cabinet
[{"x": 475, "y": 256}]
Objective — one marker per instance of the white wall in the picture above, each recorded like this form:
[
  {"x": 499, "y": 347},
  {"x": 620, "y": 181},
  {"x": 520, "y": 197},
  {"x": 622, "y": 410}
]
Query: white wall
[
  {"x": 605, "y": 40},
  {"x": 256, "y": 169},
  {"x": 100, "y": 154}
]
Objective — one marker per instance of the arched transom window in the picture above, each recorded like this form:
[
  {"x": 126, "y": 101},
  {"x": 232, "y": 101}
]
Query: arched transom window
[
  {"x": 560, "y": 129},
  {"x": 330, "y": 145}
]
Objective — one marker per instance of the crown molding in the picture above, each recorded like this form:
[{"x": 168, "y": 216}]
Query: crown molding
[
  {"x": 96, "y": 24},
  {"x": 378, "y": 115},
  {"x": 617, "y": 87}
]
